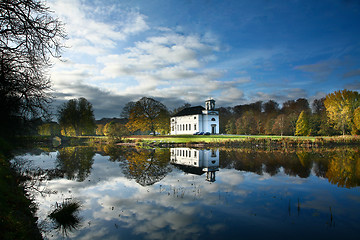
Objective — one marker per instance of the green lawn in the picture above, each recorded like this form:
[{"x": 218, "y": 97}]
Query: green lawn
[{"x": 212, "y": 138}]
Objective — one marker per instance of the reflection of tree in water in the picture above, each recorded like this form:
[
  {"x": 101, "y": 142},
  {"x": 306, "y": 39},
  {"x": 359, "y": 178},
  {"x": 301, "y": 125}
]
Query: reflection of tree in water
[
  {"x": 75, "y": 162},
  {"x": 344, "y": 169},
  {"x": 269, "y": 162},
  {"x": 147, "y": 166},
  {"x": 115, "y": 153},
  {"x": 341, "y": 167}
]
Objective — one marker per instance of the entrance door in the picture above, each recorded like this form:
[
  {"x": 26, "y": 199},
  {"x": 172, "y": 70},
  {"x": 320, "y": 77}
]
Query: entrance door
[{"x": 213, "y": 129}]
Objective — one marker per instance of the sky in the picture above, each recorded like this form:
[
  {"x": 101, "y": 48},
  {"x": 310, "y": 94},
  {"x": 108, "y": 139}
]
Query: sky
[{"x": 186, "y": 51}]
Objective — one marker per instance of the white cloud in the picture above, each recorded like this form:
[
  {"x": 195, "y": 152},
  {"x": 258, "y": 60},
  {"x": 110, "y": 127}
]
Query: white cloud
[
  {"x": 164, "y": 63},
  {"x": 89, "y": 35}
]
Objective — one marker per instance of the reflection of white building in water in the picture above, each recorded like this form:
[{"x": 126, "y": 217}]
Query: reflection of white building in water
[{"x": 196, "y": 161}]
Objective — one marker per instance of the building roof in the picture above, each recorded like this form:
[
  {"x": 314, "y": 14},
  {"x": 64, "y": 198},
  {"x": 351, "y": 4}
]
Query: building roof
[{"x": 190, "y": 111}]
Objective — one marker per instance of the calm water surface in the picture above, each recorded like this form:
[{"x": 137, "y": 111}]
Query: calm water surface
[{"x": 184, "y": 193}]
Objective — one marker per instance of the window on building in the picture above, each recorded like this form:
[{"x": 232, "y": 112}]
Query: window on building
[
  {"x": 194, "y": 126},
  {"x": 183, "y": 127},
  {"x": 213, "y": 119},
  {"x": 194, "y": 154},
  {"x": 189, "y": 153},
  {"x": 189, "y": 127},
  {"x": 180, "y": 127},
  {"x": 195, "y": 117},
  {"x": 186, "y": 126},
  {"x": 172, "y": 120}
]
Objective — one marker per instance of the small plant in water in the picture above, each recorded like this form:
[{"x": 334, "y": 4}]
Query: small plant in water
[{"x": 65, "y": 216}]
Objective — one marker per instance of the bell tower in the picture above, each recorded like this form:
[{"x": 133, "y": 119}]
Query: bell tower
[{"x": 210, "y": 105}]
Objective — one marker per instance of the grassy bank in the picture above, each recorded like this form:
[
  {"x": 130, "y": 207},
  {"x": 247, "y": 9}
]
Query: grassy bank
[
  {"x": 17, "y": 219},
  {"x": 247, "y": 141}
]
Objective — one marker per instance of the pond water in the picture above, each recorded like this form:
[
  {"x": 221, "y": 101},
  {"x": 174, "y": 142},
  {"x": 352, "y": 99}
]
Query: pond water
[{"x": 183, "y": 193}]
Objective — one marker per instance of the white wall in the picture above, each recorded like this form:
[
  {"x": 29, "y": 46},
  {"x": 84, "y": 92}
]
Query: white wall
[
  {"x": 207, "y": 123},
  {"x": 184, "y": 124},
  {"x": 196, "y": 158}
]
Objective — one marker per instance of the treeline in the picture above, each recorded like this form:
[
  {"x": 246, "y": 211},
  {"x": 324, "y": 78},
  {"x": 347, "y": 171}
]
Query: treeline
[{"x": 337, "y": 113}]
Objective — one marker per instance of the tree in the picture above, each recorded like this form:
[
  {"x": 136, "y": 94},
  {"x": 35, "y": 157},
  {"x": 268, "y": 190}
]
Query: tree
[
  {"x": 49, "y": 129},
  {"x": 271, "y": 108},
  {"x": 28, "y": 35},
  {"x": 297, "y": 106},
  {"x": 247, "y": 123},
  {"x": 127, "y": 109},
  {"x": 75, "y": 162},
  {"x": 225, "y": 115},
  {"x": 115, "y": 130},
  {"x": 302, "y": 125},
  {"x": 340, "y": 107},
  {"x": 100, "y": 129},
  {"x": 279, "y": 126},
  {"x": 319, "y": 119},
  {"x": 76, "y": 117},
  {"x": 149, "y": 115},
  {"x": 230, "y": 127},
  {"x": 357, "y": 118},
  {"x": 185, "y": 105}
]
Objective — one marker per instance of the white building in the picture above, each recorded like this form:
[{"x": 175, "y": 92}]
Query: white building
[
  {"x": 196, "y": 119},
  {"x": 196, "y": 161}
]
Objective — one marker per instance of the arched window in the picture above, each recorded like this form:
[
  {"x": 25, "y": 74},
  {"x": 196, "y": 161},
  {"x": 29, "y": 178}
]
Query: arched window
[{"x": 213, "y": 119}]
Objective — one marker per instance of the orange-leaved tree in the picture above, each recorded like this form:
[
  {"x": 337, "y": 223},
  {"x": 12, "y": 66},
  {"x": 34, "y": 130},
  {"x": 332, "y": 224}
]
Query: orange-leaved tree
[{"x": 148, "y": 114}]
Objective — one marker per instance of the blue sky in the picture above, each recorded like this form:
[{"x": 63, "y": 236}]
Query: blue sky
[{"x": 189, "y": 50}]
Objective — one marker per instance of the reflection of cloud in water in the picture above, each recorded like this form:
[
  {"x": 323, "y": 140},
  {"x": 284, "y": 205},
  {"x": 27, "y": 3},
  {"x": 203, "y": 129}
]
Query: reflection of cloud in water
[{"x": 184, "y": 205}]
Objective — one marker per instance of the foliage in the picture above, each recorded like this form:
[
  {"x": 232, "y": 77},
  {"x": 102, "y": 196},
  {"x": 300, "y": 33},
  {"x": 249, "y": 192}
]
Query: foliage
[
  {"x": 230, "y": 127},
  {"x": 75, "y": 162},
  {"x": 149, "y": 115},
  {"x": 16, "y": 211},
  {"x": 303, "y": 125},
  {"x": 76, "y": 118},
  {"x": 147, "y": 166},
  {"x": 28, "y": 35},
  {"x": 100, "y": 129},
  {"x": 126, "y": 110},
  {"x": 340, "y": 107},
  {"x": 49, "y": 129},
  {"x": 115, "y": 130},
  {"x": 357, "y": 118},
  {"x": 246, "y": 124},
  {"x": 65, "y": 216},
  {"x": 279, "y": 125},
  {"x": 344, "y": 169}
]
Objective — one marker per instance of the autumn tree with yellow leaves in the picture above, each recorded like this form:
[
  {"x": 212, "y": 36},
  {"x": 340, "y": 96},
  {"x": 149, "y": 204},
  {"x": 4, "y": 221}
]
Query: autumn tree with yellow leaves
[
  {"x": 340, "y": 107},
  {"x": 148, "y": 114}
]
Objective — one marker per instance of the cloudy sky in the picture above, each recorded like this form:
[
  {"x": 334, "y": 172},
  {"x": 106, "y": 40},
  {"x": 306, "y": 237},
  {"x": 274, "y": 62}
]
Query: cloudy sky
[{"x": 178, "y": 51}]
